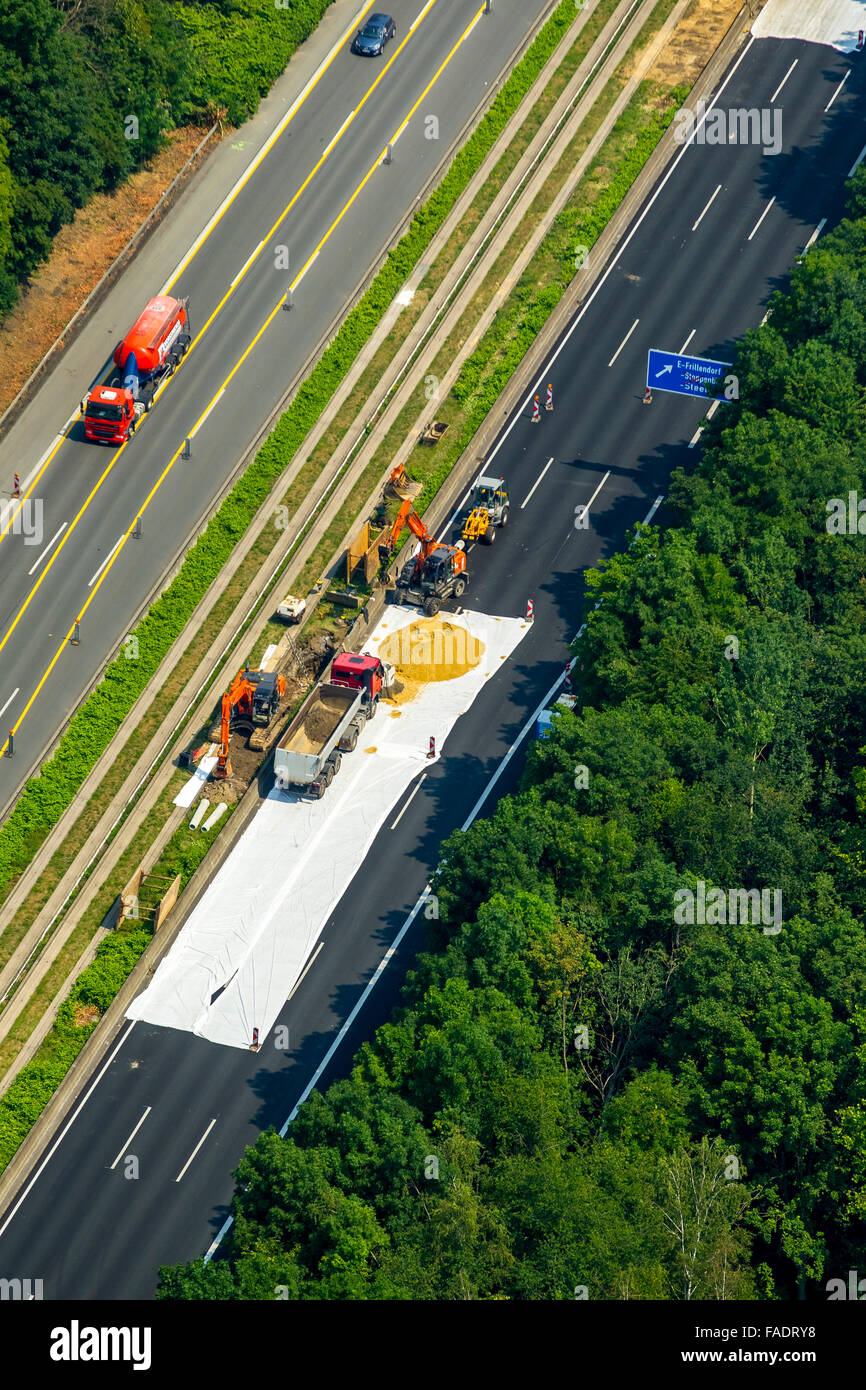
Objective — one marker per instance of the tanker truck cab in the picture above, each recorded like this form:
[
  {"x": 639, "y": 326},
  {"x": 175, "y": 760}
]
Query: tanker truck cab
[
  {"x": 151, "y": 351},
  {"x": 109, "y": 415}
]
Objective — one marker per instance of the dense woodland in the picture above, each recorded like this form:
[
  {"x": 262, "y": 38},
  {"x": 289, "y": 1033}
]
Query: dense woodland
[
  {"x": 72, "y": 73},
  {"x": 710, "y": 1141}
]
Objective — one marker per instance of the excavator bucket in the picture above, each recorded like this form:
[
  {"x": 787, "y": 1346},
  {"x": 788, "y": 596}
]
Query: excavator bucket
[
  {"x": 401, "y": 485},
  {"x": 476, "y": 524},
  {"x": 391, "y": 683}
]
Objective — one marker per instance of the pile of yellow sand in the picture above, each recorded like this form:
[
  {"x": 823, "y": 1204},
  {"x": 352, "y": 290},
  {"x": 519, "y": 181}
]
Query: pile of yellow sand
[{"x": 430, "y": 649}]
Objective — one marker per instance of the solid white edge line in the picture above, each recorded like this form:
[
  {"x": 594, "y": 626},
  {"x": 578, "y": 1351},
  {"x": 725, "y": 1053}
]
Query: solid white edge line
[
  {"x": 334, "y": 139},
  {"x": 294, "y": 285},
  {"x": 535, "y": 484},
  {"x": 623, "y": 343},
  {"x": 34, "y": 472},
  {"x": 530, "y": 722},
  {"x": 195, "y": 1150},
  {"x": 761, "y": 218},
  {"x": 105, "y": 561},
  {"x": 250, "y": 258},
  {"x": 38, "y": 562},
  {"x": 857, "y": 162},
  {"x": 9, "y": 701},
  {"x": 414, "y": 26},
  {"x": 837, "y": 91},
  {"x": 406, "y": 803},
  {"x": 706, "y": 209},
  {"x": 266, "y": 147},
  {"x": 784, "y": 80},
  {"x": 614, "y": 261},
  {"x": 815, "y": 235},
  {"x": 207, "y": 413},
  {"x": 588, "y": 504},
  {"x": 686, "y": 343},
  {"x": 58, "y": 439},
  {"x": 69, "y": 1123},
  {"x": 126, "y": 1144}
]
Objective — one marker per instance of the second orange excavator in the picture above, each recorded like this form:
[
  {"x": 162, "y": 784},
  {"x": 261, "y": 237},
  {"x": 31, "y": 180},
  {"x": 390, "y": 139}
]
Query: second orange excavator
[
  {"x": 435, "y": 573},
  {"x": 253, "y": 698}
]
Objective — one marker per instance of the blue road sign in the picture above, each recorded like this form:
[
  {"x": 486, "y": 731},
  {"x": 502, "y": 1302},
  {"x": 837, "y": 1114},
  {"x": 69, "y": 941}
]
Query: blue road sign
[{"x": 687, "y": 376}]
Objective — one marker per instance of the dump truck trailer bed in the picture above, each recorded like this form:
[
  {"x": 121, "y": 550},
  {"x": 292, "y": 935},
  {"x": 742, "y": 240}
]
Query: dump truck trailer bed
[{"x": 326, "y": 724}]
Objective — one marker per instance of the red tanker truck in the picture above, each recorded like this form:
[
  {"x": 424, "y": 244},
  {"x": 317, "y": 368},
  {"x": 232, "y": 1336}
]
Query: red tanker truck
[{"x": 151, "y": 350}]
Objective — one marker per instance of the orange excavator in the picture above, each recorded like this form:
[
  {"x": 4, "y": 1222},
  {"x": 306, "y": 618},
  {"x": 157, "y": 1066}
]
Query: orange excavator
[
  {"x": 435, "y": 573},
  {"x": 253, "y": 697}
]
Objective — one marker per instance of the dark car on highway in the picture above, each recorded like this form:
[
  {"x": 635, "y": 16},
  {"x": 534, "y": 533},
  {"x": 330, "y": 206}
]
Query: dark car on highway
[{"x": 371, "y": 39}]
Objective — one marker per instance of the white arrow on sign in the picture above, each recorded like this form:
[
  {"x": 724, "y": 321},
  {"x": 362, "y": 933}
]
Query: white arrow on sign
[{"x": 668, "y": 368}]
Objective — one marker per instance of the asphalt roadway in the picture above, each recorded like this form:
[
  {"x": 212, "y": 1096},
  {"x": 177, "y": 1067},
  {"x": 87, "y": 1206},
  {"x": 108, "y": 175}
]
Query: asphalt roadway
[
  {"x": 314, "y": 215},
  {"x": 184, "y": 1107}
]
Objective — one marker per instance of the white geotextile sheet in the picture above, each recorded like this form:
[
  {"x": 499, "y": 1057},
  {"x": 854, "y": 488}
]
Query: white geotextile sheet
[
  {"x": 834, "y": 22},
  {"x": 190, "y": 790},
  {"x": 259, "y": 919}
]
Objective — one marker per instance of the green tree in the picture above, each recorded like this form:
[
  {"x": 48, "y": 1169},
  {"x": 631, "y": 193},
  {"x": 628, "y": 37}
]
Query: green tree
[{"x": 703, "y": 1206}]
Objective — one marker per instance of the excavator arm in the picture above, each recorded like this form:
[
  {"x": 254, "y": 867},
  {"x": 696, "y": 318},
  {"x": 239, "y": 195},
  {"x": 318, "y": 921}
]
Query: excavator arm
[
  {"x": 223, "y": 769},
  {"x": 238, "y": 691},
  {"x": 407, "y": 516},
  {"x": 417, "y": 527},
  {"x": 399, "y": 523}
]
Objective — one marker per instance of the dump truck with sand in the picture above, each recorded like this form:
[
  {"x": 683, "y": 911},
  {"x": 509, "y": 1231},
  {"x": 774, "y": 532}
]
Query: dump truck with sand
[{"x": 329, "y": 723}]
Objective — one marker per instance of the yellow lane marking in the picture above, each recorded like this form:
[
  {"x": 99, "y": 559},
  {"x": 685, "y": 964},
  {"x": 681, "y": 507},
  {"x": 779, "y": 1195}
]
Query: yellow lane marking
[
  {"x": 238, "y": 277},
  {"x": 266, "y": 238},
  {"x": 394, "y": 138},
  {"x": 312, "y": 174},
  {"x": 266, "y": 148},
  {"x": 141, "y": 510},
  {"x": 47, "y": 570},
  {"x": 197, "y": 245},
  {"x": 139, "y": 513}
]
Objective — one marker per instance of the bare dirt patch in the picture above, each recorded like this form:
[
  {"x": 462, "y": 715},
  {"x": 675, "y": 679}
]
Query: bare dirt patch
[
  {"x": 85, "y": 1014},
  {"x": 82, "y": 253},
  {"x": 693, "y": 42}
]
